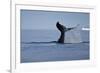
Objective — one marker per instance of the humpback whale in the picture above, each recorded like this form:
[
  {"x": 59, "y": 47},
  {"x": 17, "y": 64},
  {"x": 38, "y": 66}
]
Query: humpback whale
[
  {"x": 62, "y": 29},
  {"x": 68, "y": 35}
]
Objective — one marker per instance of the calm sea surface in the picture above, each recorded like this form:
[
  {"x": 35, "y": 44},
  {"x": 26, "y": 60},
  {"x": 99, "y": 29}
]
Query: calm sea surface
[{"x": 36, "y": 46}]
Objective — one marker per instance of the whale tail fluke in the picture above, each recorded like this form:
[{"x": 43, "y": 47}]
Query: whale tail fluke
[{"x": 63, "y": 35}]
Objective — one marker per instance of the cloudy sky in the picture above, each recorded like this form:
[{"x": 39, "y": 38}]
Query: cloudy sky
[{"x": 32, "y": 19}]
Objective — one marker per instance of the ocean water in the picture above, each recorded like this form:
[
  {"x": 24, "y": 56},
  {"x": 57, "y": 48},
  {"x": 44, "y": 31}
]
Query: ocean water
[{"x": 37, "y": 46}]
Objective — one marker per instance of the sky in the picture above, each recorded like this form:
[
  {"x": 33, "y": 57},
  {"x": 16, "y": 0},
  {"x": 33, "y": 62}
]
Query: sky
[{"x": 38, "y": 20}]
